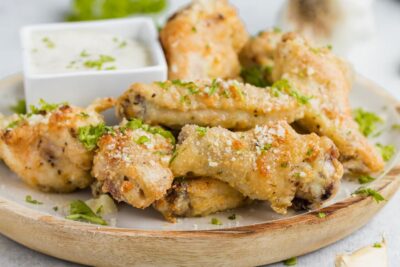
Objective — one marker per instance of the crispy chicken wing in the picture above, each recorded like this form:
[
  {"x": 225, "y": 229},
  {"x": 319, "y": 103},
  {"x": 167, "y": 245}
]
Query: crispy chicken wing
[
  {"x": 271, "y": 162},
  {"x": 229, "y": 104},
  {"x": 43, "y": 147},
  {"x": 131, "y": 163},
  {"x": 203, "y": 41},
  {"x": 318, "y": 73},
  {"x": 191, "y": 197}
]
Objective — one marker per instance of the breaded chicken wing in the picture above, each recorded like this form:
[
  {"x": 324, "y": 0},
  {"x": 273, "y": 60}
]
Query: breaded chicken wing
[
  {"x": 131, "y": 163},
  {"x": 271, "y": 162},
  {"x": 229, "y": 104},
  {"x": 318, "y": 73},
  {"x": 192, "y": 197},
  {"x": 257, "y": 56},
  {"x": 43, "y": 147},
  {"x": 203, "y": 41}
]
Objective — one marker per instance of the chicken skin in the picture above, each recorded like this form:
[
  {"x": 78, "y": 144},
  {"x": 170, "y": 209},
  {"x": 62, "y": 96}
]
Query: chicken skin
[
  {"x": 270, "y": 162},
  {"x": 318, "y": 73},
  {"x": 43, "y": 147},
  {"x": 131, "y": 163},
  {"x": 203, "y": 41},
  {"x": 228, "y": 104},
  {"x": 192, "y": 197}
]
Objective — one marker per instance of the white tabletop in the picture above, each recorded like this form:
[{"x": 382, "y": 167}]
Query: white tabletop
[{"x": 378, "y": 60}]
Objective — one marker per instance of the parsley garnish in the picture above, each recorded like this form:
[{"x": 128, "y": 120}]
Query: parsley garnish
[
  {"x": 84, "y": 115},
  {"x": 143, "y": 139},
  {"x": 370, "y": 192},
  {"x": 48, "y": 42},
  {"x": 284, "y": 86},
  {"x": 216, "y": 221},
  {"x": 134, "y": 124},
  {"x": 256, "y": 75},
  {"x": 367, "y": 121},
  {"x": 44, "y": 107},
  {"x": 365, "y": 179},
  {"x": 89, "y": 135},
  {"x": 321, "y": 215},
  {"x": 194, "y": 29},
  {"x": 277, "y": 30},
  {"x": 290, "y": 262},
  {"x": 377, "y": 245},
  {"x": 19, "y": 107},
  {"x": 396, "y": 127},
  {"x": 201, "y": 131},
  {"x": 30, "y": 200},
  {"x": 387, "y": 151},
  {"x": 84, "y": 54},
  {"x": 232, "y": 217},
  {"x": 79, "y": 211},
  {"x": 98, "y": 64},
  {"x": 213, "y": 87},
  {"x": 55, "y": 208}
]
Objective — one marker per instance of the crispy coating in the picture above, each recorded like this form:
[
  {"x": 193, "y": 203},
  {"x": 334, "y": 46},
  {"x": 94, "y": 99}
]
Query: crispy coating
[
  {"x": 259, "y": 51},
  {"x": 203, "y": 41},
  {"x": 192, "y": 197},
  {"x": 318, "y": 73},
  {"x": 271, "y": 162},
  {"x": 132, "y": 165},
  {"x": 43, "y": 149},
  {"x": 229, "y": 104}
]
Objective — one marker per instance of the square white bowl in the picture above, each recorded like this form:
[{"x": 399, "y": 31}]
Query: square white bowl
[{"x": 82, "y": 87}]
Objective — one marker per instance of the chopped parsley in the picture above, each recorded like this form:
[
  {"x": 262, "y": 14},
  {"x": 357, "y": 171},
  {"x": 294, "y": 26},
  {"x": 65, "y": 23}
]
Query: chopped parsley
[
  {"x": 365, "y": 179},
  {"x": 89, "y": 135},
  {"x": 194, "y": 29},
  {"x": 55, "y": 208},
  {"x": 329, "y": 46},
  {"x": 232, "y": 217},
  {"x": 122, "y": 44},
  {"x": 213, "y": 87},
  {"x": 201, "y": 131},
  {"x": 377, "y": 245},
  {"x": 15, "y": 123},
  {"x": 387, "y": 151},
  {"x": 134, "y": 124},
  {"x": 84, "y": 54},
  {"x": 370, "y": 192},
  {"x": 84, "y": 115},
  {"x": 367, "y": 121},
  {"x": 396, "y": 127},
  {"x": 143, "y": 139},
  {"x": 321, "y": 215},
  {"x": 163, "y": 85},
  {"x": 30, "y": 200},
  {"x": 19, "y": 107},
  {"x": 48, "y": 42},
  {"x": 216, "y": 221},
  {"x": 309, "y": 152},
  {"x": 256, "y": 75},
  {"x": 277, "y": 30},
  {"x": 174, "y": 155},
  {"x": 266, "y": 147},
  {"x": 290, "y": 262},
  {"x": 284, "y": 86},
  {"x": 44, "y": 107},
  {"x": 99, "y": 63},
  {"x": 79, "y": 211}
]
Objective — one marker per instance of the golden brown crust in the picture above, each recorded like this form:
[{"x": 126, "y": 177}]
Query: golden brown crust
[
  {"x": 229, "y": 104},
  {"x": 192, "y": 197},
  {"x": 203, "y": 40},
  {"x": 319, "y": 73},
  {"x": 132, "y": 165},
  {"x": 271, "y": 162},
  {"x": 45, "y": 152}
]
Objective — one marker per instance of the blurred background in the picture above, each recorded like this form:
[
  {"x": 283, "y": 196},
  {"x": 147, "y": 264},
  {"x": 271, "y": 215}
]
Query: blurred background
[{"x": 366, "y": 32}]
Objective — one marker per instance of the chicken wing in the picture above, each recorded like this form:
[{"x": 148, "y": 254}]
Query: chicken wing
[
  {"x": 257, "y": 57},
  {"x": 318, "y": 73},
  {"x": 192, "y": 197},
  {"x": 271, "y": 162},
  {"x": 131, "y": 163},
  {"x": 203, "y": 41},
  {"x": 43, "y": 147},
  {"x": 229, "y": 104}
]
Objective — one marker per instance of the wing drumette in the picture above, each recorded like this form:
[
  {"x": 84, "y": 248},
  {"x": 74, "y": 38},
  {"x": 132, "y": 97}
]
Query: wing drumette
[{"x": 271, "y": 162}]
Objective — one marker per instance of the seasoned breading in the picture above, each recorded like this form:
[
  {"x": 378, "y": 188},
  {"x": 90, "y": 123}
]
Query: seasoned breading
[
  {"x": 203, "y": 41},
  {"x": 229, "y": 104},
  {"x": 259, "y": 52},
  {"x": 131, "y": 163},
  {"x": 192, "y": 197},
  {"x": 318, "y": 73},
  {"x": 43, "y": 148},
  {"x": 271, "y": 162}
]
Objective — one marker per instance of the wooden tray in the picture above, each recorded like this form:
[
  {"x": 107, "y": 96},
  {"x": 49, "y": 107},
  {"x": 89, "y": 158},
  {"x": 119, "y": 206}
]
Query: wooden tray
[{"x": 143, "y": 240}]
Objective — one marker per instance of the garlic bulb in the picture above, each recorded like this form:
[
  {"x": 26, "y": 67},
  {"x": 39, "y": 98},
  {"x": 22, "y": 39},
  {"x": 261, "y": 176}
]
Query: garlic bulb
[{"x": 341, "y": 23}]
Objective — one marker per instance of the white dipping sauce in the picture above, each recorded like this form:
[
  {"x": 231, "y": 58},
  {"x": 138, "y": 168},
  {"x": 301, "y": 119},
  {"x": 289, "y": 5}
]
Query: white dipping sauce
[{"x": 76, "y": 51}]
